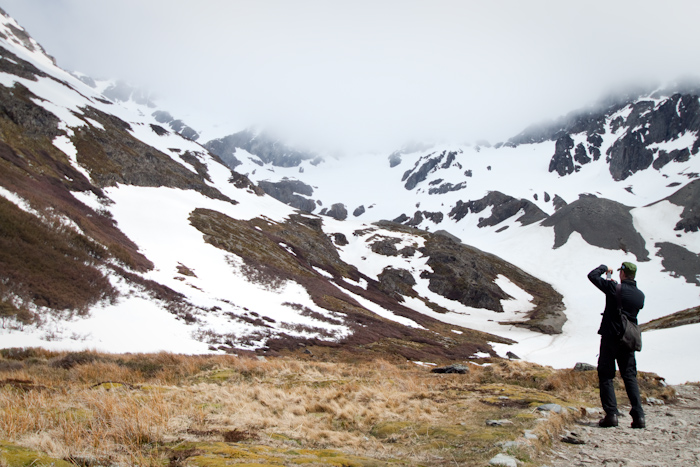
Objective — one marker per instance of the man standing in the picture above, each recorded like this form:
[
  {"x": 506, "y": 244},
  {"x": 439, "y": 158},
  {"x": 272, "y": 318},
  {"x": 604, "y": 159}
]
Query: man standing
[{"x": 631, "y": 300}]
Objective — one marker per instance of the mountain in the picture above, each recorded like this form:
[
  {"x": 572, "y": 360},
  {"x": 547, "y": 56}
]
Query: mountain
[
  {"x": 120, "y": 231},
  {"x": 617, "y": 182}
]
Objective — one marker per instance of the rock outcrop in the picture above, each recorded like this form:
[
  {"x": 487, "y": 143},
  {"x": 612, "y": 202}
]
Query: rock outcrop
[
  {"x": 267, "y": 148},
  {"x": 289, "y": 192},
  {"x": 600, "y": 222},
  {"x": 504, "y": 207}
]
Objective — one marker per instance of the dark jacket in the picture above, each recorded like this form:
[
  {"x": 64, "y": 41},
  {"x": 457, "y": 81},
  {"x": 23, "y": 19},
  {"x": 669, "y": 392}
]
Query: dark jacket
[{"x": 632, "y": 301}]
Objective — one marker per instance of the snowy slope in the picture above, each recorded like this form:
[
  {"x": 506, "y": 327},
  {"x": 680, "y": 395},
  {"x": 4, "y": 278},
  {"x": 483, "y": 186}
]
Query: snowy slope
[
  {"x": 224, "y": 301},
  {"x": 219, "y": 300},
  {"x": 521, "y": 172}
]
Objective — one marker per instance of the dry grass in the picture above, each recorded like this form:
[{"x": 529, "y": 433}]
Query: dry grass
[{"x": 145, "y": 409}]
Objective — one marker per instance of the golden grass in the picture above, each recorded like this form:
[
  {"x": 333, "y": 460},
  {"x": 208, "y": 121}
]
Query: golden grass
[{"x": 142, "y": 409}]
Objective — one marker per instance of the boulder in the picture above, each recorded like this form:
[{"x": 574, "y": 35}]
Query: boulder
[
  {"x": 459, "y": 369},
  {"x": 584, "y": 367}
]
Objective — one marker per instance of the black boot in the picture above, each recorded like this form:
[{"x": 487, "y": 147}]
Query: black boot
[
  {"x": 610, "y": 420},
  {"x": 638, "y": 422}
]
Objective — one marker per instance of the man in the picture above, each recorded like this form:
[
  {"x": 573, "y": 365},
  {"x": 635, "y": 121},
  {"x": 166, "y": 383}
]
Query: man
[{"x": 611, "y": 351}]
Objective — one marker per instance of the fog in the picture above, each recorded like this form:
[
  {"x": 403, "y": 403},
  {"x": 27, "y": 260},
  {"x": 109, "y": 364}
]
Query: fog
[{"x": 370, "y": 75}]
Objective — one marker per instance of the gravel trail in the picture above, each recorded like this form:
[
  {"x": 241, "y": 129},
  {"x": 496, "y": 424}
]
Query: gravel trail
[{"x": 671, "y": 438}]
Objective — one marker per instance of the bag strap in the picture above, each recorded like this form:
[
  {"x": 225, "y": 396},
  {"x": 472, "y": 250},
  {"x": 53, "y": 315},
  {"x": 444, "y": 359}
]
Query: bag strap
[{"x": 618, "y": 295}]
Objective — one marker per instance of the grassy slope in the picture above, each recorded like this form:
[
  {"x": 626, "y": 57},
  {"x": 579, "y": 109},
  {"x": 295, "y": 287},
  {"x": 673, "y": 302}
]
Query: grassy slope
[
  {"x": 680, "y": 318},
  {"x": 165, "y": 409}
]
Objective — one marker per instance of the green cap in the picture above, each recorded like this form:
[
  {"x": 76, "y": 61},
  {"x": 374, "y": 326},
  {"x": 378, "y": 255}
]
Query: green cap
[{"x": 629, "y": 268}]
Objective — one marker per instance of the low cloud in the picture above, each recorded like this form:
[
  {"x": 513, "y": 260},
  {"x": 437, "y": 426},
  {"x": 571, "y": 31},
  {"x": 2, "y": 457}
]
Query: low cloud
[{"x": 370, "y": 75}]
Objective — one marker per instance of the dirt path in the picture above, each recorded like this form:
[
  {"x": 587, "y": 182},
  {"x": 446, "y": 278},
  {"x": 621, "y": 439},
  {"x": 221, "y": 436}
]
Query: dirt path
[{"x": 672, "y": 438}]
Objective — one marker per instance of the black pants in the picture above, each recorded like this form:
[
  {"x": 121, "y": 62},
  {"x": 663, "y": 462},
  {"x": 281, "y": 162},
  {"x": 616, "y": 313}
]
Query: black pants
[{"x": 610, "y": 352}]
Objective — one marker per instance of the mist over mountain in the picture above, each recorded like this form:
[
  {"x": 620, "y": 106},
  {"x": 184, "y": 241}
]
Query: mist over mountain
[
  {"x": 369, "y": 76},
  {"x": 124, "y": 228}
]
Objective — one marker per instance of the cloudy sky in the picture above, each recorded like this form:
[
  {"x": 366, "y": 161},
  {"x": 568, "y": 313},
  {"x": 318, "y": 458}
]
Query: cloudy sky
[{"x": 370, "y": 75}]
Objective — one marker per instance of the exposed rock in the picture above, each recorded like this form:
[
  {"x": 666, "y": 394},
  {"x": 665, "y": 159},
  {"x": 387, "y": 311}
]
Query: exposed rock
[
  {"x": 647, "y": 123},
  {"x": 243, "y": 182},
  {"x": 414, "y": 177},
  {"x": 159, "y": 130},
  {"x": 504, "y": 207},
  {"x": 418, "y": 217},
  {"x": 121, "y": 91},
  {"x": 580, "y": 154},
  {"x": 499, "y": 422},
  {"x": 459, "y": 369},
  {"x": 16, "y": 105},
  {"x": 562, "y": 162},
  {"x": 676, "y": 115},
  {"x": 445, "y": 233},
  {"x": 466, "y": 274},
  {"x": 677, "y": 155},
  {"x": 193, "y": 159},
  {"x": 512, "y": 356},
  {"x": 418, "y": 174},
  {"x": 571, "y": 437},
  {"x": 580, "y": 366},
  {"x": 401, "y": 219},
  {"x": 358, "y": 211},
  {"x": 12, "y": 64},
  {"x": 286, "y": 192},
  {"x": 178, "y": 126},
  {"x": 558, "y": 202},
  {"x": 601, "y": 222},
  {"x": 267, "y": 148},
  {"x": 416, "y": 220},
  {"x": 679, "y": 261},
  {"x": 446, "y": 188},
  {"x": 651, "y": 123},
  {"x": 435, "y": 217},
  {"x": 385, "y": 246},
  {"x": 504, "y": 460},
  {"x": 397, "y": 282},
  {"x": 556, "y": 408},
  {"x": 689, "y": 198},
  {"x": 340, "y": 239},
  {"x": 115, "y": 156},
  {"x": 337, "y": 211},
  {"x": 628, "y": 155}
]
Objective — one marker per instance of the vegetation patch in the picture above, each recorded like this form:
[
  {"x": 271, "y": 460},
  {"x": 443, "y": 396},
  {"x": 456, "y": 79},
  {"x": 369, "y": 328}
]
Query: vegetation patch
[
  {"x": 175, "y": 410},
  {"x": 13, "y": 455},
  {"x": 467, "y": 274},
  {"x": 28, "y": 249},
  {"x": 680, "y": 318}
]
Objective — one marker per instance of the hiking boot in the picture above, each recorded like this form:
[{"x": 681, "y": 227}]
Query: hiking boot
[
  {"x": 610, "y": 420},
  {"x": 638, "y": 422}
]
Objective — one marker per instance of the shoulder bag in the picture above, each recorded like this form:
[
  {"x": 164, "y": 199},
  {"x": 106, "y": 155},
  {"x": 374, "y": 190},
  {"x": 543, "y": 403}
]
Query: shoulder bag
[{"x": 631, "y": 337}]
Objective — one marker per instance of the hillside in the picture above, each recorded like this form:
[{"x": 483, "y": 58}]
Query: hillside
[
  {"x": 121, "y": 232},
  {"x": 617, "y": 182}
]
